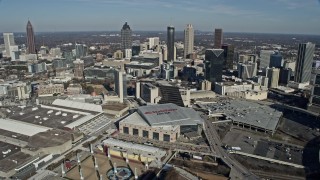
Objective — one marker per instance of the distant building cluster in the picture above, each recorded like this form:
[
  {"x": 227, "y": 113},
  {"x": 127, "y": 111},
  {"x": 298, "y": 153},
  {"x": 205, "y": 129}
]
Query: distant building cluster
[{"x": 164, "y": 88}]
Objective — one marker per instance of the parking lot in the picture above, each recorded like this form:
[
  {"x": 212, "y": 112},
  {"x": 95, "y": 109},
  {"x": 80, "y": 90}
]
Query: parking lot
[{"x": 261, "y": 146}]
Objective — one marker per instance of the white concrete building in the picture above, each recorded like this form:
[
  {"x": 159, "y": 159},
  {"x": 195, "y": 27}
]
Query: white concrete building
[{"x": 8, "y": 41}]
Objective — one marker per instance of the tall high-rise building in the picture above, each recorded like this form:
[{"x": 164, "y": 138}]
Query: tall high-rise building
[
  {"x": 120, "y": 84},
  {"x": 247, "y": 70},
  {"x": 30, "y": 39},
  {"x": 218, "y": 37},
  {"x": 314, "y": 103},
  {"x": 128, "y": 53},
  {"x": 14, "y": 52},
  {"x": 285, "y": 75},
  {"x": 154, "y": 42},
  {"x": 81, "y": 50},
  {"x": 126, "y": 37},
  {"x": 214, "y": 65},
  {"x": 273, "y": 75},
  {"x": 188, "y": 40},
  {"x": 228, "y": 56},
  {"x": 78, "y": 68},
  {"x": 170, "y": 43},
  {"x": 304, "y": 62},
  {"x": 8, "y": 41},
  {"x": 275, "y": 60},
  {"x": 265, "y": 56}
]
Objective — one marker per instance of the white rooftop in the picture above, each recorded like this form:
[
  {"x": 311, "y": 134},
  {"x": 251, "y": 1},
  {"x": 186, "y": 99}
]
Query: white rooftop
[
  {"x": 78, "y": 105},
  {"x": 21, "y": 127}
]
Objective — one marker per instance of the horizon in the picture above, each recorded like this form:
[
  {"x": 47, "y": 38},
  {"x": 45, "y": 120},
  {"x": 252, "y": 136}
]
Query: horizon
[
  {"x": 154, "y": 31},
  {"x": 247, "y": 16}
]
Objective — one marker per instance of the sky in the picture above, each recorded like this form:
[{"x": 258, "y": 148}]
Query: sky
[{"x": 260, "y": 16}]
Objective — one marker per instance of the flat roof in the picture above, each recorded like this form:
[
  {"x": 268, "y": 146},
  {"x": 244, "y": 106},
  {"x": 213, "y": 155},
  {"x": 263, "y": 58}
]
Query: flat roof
[
  {"x": 13, "y": 161},
  {"x": 132, "y": 146},
  {"x": 45, "y": 116},
  {"x": 78, "y": 105},
  {"x": 50, "y": 138},
  {"x": 14, "y": 135},
  {"x": 114, "y": 106},
  {"x": 247, "y": 112},
  {"x": 169, "y": 115},
  {"x": 7, "y": 149},
  {"x": 21, "y": 127}
]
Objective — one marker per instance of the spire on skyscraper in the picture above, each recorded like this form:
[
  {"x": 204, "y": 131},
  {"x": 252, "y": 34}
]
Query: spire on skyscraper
[{"x": 30, "y": 39}]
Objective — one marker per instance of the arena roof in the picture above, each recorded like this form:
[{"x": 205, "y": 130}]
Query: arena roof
[
  {"x": 78, "y": 105},
  {"x": 21, "y": 127},
  {"x": 169, "y": 115}
]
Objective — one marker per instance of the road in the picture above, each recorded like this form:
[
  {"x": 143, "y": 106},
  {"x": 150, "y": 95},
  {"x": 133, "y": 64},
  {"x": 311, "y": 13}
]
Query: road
[
  {"x": 167, "y": 145},
  {"x": 237, "y": 170},
  {"x": 268, "y": 175}
]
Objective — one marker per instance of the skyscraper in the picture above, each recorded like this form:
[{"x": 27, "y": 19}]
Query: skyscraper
[
  {"x": 126, "y": 37},
  {"x": 8, "y": 41},
  {"x": 314, "y": 103},
  {"x": 276, "y": 60},
  {"x": 81, "y": 50},
  {"x": 247, "y": 70},
  {"x": 214, "y": 65},
  {"x": 154, "y": 42},
  {"x": 188, "y": 40},
  {"x": 273, "y": 75},
  {"x": 304, "y": 62},
  {"x": 228, "y": 56},
  {"x": 218, "y": 36},
  {"x": 170, "y": 43},
  {"x": 120, "y": 84},
  {"x": 30, "y": 39},
  {"x": 78, "y": 68},
  {"x": 265, "y": 56}
]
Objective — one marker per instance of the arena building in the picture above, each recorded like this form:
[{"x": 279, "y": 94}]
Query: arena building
[{"x": 163, "y": 122}]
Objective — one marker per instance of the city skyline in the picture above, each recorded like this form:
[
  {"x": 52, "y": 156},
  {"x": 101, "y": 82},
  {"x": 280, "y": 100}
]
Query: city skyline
[{"x": 278, "y": 16}]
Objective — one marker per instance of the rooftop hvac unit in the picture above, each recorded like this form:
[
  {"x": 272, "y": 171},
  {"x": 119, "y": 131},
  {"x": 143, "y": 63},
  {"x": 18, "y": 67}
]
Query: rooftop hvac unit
[
  {"x": 58, "y": 113},
  {"x": 50, "y": 111},
  {"x": 35, "y": 108},
  {"x": 64, "y": 114},
  {"x": 75, "y": 116}
]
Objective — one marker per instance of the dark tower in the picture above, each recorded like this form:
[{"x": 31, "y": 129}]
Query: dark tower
[
  {"x": 126, "y": 37},
  {"x": 170, "y": 43},
  {"x": 30, "y": 39},
  {"x": 218, "y": 36},
  {"x": 214, "y": 59}
]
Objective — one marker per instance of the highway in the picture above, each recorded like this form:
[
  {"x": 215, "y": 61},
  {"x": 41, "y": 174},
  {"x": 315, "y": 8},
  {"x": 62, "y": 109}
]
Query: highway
[{"x": 237, "y": 170}]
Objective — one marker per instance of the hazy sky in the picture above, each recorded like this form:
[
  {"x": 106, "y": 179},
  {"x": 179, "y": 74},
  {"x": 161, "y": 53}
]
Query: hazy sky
[{"x": 271, "y": 16}]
